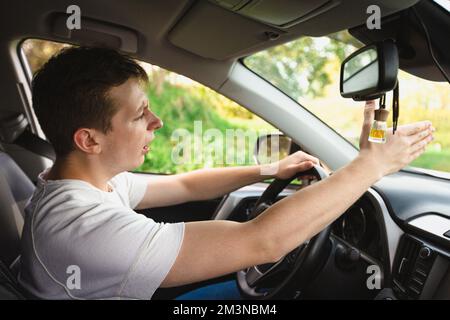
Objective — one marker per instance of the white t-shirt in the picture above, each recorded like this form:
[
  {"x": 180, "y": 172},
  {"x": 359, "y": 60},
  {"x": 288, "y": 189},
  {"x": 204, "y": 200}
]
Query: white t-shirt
[{"x": 80, "y": 242}]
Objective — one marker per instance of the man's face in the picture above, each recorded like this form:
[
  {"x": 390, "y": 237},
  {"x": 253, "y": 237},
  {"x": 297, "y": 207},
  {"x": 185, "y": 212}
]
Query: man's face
[{"x": 124, "y": 147}]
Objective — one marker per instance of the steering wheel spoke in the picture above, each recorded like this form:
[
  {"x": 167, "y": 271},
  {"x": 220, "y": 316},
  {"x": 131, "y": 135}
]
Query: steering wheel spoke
[
  {"x": 259, "y": 208},
  {"x": 259, "y": 276}
]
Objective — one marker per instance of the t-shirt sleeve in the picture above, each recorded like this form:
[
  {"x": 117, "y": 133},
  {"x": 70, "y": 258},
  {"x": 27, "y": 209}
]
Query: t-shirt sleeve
[
  {"x": 154, "y": 261},
  {"x": 133, "y": 185}
]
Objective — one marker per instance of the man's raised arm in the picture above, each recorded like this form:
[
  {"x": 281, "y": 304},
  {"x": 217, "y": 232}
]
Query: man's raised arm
[{"x": 214, "y": 248}]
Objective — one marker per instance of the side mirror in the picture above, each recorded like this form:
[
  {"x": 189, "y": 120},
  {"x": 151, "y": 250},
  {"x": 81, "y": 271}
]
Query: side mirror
[
  {"x": 370, "y": 72},
  {"x": 271, "y": 148}
]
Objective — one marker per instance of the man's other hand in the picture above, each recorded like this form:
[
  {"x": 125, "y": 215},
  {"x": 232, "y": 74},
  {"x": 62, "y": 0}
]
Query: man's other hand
[{"x": 296, "y": 162}]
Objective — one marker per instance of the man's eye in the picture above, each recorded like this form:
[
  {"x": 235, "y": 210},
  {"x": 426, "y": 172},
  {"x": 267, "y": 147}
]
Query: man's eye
[{"x": 141, "y": 116}]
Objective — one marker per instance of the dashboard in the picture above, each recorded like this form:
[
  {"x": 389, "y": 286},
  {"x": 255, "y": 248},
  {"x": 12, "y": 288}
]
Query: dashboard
[
  {"x": 360, "y": 228},
  {"x": 398, "y": 225}
]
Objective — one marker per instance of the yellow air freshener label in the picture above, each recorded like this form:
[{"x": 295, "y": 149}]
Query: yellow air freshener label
[{"x": 377, "y": 134}]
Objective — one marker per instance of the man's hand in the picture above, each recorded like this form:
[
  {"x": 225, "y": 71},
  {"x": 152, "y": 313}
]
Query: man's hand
[
  {"x": 296, "y": 162},
  {"x": 407, "y": 144}
]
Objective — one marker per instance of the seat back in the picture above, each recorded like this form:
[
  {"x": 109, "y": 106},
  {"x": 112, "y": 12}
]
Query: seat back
[
  {"x": 15, "y": 190},
  {"x": 9, "y": 288}
]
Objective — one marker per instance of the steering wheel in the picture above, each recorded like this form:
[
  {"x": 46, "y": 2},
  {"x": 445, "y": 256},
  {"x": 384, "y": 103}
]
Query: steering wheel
[{"x": 288, "y": 277}]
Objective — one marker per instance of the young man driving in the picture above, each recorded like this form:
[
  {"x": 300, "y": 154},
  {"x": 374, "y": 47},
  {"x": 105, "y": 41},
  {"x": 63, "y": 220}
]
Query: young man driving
[{"x": 92, "y": 106}]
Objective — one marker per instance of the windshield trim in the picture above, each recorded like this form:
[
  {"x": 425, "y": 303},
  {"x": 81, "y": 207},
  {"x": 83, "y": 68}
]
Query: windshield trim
[{"x": 428, "y": 172}]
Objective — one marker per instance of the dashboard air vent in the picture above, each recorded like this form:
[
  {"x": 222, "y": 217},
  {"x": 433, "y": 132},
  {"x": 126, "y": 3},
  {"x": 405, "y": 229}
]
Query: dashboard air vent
[{"x": 412, "y": 265}]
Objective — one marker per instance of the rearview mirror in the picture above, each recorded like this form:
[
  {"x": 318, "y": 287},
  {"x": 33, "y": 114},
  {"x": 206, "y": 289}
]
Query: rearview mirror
[{"x": 370, "y": 72}]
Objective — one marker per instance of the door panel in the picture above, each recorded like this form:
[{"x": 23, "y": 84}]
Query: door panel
[{"x": 185, "y": 212}]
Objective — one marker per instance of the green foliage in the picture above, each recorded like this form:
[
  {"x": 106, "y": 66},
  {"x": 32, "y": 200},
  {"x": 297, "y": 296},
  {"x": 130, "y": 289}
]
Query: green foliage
[
  {"x": 298, "y": 67},
  {"x": 39, "y": 51},
  {"x": 436, "y": 160},
  {"x": 179, "y": 107}
]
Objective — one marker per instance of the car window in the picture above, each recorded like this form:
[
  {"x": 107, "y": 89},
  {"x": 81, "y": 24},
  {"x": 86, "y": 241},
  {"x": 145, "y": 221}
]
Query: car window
[
  {"x": 445, "y": 4},
  {"x": 308, "y": 71},
  {"x": 201, "y": 127}
]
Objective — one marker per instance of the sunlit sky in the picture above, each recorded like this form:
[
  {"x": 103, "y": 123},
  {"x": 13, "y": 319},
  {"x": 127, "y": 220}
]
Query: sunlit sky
[{"x": 444, "y": 3}]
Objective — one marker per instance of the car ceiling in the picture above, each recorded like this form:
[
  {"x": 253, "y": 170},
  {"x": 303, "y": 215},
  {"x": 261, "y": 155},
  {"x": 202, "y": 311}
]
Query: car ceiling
[
  {"x": 409, "y": 36},
  {"x": 186, "y": 36}
]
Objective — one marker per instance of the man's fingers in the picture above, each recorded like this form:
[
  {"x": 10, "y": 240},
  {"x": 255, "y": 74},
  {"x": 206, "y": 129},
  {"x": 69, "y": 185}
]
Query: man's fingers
[
  {"x": 369, "y": 116},
  {"x": 308, "y": 177},
  {"x": 417, "y": 153},
  {"x": 369, "y": 110},
  {"x": 370, "y": 105},
  {"x": 313, "y": 159},
  {"x": 421, "y": 143},
  {"x": 421, "y": 135},
  {"x": 303, "y": 156},
  {"x": 305, "y": 165},
  {"x": 413, "y": 128}
]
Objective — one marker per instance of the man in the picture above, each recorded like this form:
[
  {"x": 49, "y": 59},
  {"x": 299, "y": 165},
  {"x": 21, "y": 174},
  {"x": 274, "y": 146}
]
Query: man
[{"x": 82, "y": 239}]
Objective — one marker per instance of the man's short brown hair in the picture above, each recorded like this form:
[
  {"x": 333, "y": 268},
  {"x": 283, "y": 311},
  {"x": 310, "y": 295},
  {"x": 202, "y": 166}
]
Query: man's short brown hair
[{"x": 71, "y": 91}]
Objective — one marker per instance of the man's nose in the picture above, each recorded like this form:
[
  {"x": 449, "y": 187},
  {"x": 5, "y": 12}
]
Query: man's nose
[{"x": 155, "y": 122}]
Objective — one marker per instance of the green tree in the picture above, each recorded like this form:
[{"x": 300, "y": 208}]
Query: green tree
[{"x": 298, "y": 67}]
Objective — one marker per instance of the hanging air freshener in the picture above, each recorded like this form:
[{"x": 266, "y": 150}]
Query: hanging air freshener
[{"x": 379, "y": 127}]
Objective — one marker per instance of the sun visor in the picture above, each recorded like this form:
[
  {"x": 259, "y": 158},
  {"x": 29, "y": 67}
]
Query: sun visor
[
  {"x": 95, "y": 33},
  {"x": 282, "y": 14},
  {"x": 221, "y": 29},
  {"x": 212, "y": 32},
  {"x": 226, "y": 29}
]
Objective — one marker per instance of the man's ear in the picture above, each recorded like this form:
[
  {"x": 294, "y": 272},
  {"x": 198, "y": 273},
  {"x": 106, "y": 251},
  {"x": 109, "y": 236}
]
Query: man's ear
[{"x": 87, "y": 140}]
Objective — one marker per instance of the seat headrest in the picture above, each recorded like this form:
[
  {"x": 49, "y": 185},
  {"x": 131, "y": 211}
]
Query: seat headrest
[{"x": 12, "y": 127}]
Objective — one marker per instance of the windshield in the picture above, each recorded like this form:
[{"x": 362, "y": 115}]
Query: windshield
[
  {"x": 308, "y": 71},
  {"x": 445, "y": 4}
]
